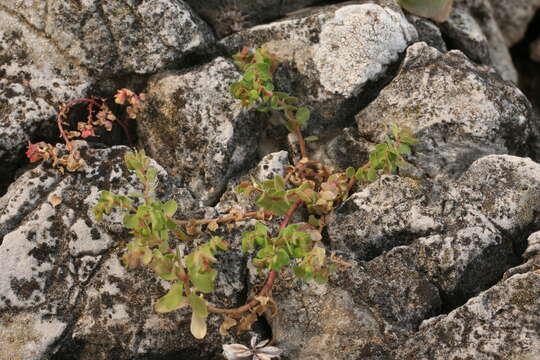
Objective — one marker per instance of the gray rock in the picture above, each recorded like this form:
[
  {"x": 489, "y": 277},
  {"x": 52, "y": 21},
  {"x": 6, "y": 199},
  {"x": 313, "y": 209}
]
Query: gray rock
[
  {"x": 230, "y": 16},
  {"x": 535, "y": 50},
  {"x": 53, "y": 52},
  {"x": 531, "y": 257},
  {"x": 61, "y": 276},
  {"x": 458, "y": 111},
  {"x": 514, "y": 17},
  {"x": 359, "y": 313},
  {"x": 469, "y": 257},
  {"x": 392, "y": 211},
  {"x": 191, "y": 124},
  {"x": 428, "y": 32},
  {"x": 333, "y": 55},
  {"x": 474, "y": 28},
  {"x": 506, "y": 189},
  {"x": 500, "y": 323},
  {"x": 272, "y": 165}
]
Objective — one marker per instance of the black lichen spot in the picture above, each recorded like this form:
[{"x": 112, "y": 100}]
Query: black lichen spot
[
  {"x": 24, "y": 288},
  {"x": 95, "y": 234},
  {"x": 41, "y": 253}
]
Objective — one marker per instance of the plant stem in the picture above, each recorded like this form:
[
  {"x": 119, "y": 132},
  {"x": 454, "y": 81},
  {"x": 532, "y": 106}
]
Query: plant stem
[
  {"x": 259, "y": 215},
  {"x": 301, "y": 141},
  {"x": 270, "y": 279}
]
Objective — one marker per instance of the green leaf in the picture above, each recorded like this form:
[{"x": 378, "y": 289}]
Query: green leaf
[
  {"x": 170, "y": 207},
  {"x": 198, "y": 305},
  {"x": 438, "y": 10},
  {"x": 173, "y": 300},
  {"x": 302, "y": 115},
  {"x": 404, "y": 149},
  {"x": 312, "y": 138},
  {"x": 280, "y": 260},
  {"x": 131, "y": 221},
  {"x": 350, "y": 172},
  {"x": 371, "y": 174},
  {"x": 279, "y": 184},
  {"x": 203, "y": 281}
]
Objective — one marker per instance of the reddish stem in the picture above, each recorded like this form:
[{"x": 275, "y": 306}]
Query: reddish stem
[
  {"x": 301, "y": 141},
  {"x": 270, "y": 279}
]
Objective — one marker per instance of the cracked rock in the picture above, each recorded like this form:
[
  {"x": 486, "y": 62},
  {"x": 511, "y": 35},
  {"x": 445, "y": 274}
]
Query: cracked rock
[
  {"x": 458, "y": 111},
  {"x": 334, "y": 55},
  {"x": 54, "y": 51},
  {"x": 500, "y": 323},
  {"x": 193, "y": 127}
]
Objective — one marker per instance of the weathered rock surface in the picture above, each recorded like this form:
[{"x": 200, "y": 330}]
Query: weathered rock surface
[
  {"x": 458, "y": 111},
  {"x": 348, "y": 318},
  {"x": 473, "y": 29},
  {"x": 535, "y": 50},
  {"x": 194, "y": 128},
  {"x": 51, "y": 52},
  {"x": 334, "y": 55},
  {"x": 501, "y": 323},
  {"x": 61, "y": 275},
  {"x": 230, "y": 16}
]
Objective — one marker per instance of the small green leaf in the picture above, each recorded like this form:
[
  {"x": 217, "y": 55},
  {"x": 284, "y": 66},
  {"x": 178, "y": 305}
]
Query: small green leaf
[
  {"x": 131, "y": 221},
  {"x": 302, "y": 115},
  {"x": 404, "y": 149},
  {"x": 170, "y": 207},
  {"x": 312, "y": 138},
  {"x": 173, "y": 300},
  {"x": 203, "y": 281},
  {"x": 350, "y": 172},
  {"x": 371, "y": 174},
  {"x": 198, "y": 304}
]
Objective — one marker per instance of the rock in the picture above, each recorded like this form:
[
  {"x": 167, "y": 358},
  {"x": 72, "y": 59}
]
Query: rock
[
  {"x": 506, "y": 189},
  {"x": 62, "y": 277},
  {"x": 341, "y": 150},
  {"x": 473, "y": 29},
  {"x": 388, "y": 213},
  {"x": 458, "y": 111},
  {"x": 230, "y": 16},
  {"x": 469, "y": 257},
  {"x": 191, "y": 124},
  {"x": 500, "y": 323},
  {"x": 359, "y": 313},
  {"x": 428, "y": 32},
  {"x": 54, "y": 52},
  {"x": 531, "y": 257},
  {"x": 336, "y": 57},
  {"x": 514, "y": 17},
  {"x": 272, "y": 165},
  {"x": 535, "y": 50}
]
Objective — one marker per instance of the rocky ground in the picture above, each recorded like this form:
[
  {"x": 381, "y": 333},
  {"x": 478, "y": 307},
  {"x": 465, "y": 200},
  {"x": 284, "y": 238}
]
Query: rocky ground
[{"x": 445, "y": 257}]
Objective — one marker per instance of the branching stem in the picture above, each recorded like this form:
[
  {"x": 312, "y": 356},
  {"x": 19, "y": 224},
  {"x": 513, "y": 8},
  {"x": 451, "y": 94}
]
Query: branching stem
[{"x": 270, "y": 279}]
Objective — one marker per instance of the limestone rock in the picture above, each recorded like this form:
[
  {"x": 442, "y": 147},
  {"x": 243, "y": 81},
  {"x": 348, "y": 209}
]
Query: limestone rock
[
  {"x": 506, "y": 189},
  {"x": 500, "y": 323},
  {"x": 359, "y": 313},
  {"x": 388, "y": 213},
  {"x": 61, "y": 274},
  {"x": 52, "y": 52},
  {"x": 193, "y": 126},
  {"x": 335, "y": 55},
  {"x": 458, "y": 111},
  {"x": 230, "y": 16}
]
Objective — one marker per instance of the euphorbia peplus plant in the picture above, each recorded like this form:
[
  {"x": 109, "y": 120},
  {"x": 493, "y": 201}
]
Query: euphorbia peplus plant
[
  {"x": 307, "y": 184},
  {"x": 99, "y": 115}
]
